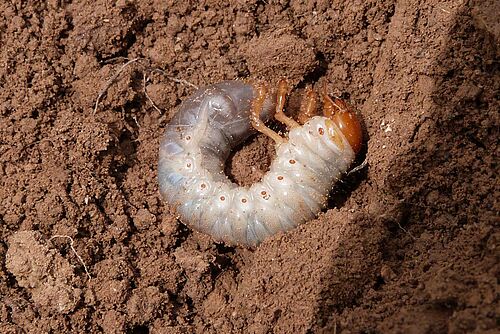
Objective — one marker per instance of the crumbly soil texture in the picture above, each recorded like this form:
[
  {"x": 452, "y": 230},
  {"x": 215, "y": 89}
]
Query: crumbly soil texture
[{"x": 409, "y": 242}]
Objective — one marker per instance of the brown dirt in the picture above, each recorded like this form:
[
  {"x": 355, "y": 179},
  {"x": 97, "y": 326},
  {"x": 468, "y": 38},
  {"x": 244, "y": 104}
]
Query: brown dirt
[{"x": 409, "y": 244}]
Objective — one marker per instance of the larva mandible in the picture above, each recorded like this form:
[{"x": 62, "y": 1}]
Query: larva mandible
[{"x": 216, "y": 118}]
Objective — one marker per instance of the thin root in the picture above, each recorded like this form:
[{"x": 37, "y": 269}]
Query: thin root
[
  {"x": 144, "y": 80},
  {"x": 359, "y": 167},
  {"x": 74, "y": 251},
  {"x": 181, "y": 81},
  {"x": 111, "y": 81}
]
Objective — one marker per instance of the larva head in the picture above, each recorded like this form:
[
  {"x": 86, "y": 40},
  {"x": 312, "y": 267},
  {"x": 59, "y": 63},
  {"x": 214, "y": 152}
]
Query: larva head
[{"x": 343, "y": 116}]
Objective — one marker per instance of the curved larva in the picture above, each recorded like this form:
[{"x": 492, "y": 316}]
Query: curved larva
[{"x": 197, "y": 143}]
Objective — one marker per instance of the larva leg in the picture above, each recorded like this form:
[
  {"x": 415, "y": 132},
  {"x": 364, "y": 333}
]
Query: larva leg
[
  {"x": 280, "y": 106},
  {"x": 308, "y": 106},
  {"x": 257, "y": 123}
]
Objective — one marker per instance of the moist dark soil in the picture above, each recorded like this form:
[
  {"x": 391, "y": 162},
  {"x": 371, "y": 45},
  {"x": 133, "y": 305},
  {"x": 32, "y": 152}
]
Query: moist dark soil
[{"x": 408, "y": 244}]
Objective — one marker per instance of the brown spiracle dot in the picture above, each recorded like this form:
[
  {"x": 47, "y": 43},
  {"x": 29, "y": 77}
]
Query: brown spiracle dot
[
  {"x": 188, "y": 137},
  {"x": 280, "y": 177},
  {"x": 291, "y": 161},
  {"x": 222, "y": 198},
  {"x": 188, "y": 165},
  {"x": 321, "y": 131},
  {"x": 265, "y": 195},
  {"x": 203, "y": 186},
  {"x": 243, "y": 200}
]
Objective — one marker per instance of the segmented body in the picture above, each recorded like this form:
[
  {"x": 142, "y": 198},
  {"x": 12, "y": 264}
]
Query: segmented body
[{"x": 197, "y": 143}]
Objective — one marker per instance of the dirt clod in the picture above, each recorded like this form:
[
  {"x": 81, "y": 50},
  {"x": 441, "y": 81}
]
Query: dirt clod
[{"x": 43, "y": 272}]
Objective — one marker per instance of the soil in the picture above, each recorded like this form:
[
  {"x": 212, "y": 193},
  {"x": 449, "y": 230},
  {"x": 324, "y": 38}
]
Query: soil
[{"x": 408, "y": 244}]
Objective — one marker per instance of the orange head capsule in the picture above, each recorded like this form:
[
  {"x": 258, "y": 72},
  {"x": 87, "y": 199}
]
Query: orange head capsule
[{"x": 344, "y": 117}]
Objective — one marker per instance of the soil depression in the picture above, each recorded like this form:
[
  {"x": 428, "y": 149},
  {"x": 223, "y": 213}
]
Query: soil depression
[{"x": 408, "y": 243}]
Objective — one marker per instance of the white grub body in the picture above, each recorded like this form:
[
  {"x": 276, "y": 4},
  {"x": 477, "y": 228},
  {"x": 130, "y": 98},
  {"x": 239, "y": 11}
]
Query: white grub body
[{"x": 197, "y": 143}]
